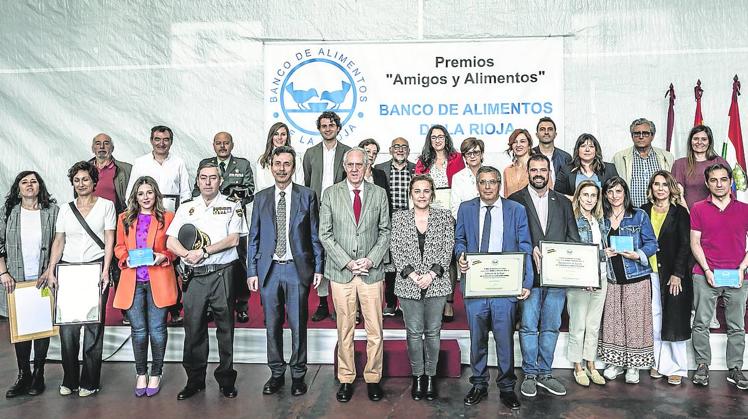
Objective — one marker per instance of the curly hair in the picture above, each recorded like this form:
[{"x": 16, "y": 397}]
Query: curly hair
[{"x": 14, "y": 195}]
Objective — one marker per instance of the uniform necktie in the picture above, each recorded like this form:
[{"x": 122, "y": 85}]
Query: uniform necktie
[
  {"x": 485, "y": 238},
  {"x": 280, "y": 223},
  {"x": 222, "y": 165},
  {"x": 357, "y": 204}
]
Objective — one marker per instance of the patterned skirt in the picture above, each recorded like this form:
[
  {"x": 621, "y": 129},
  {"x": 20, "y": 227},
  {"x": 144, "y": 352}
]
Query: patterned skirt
[{"x": 626, "y": 336}]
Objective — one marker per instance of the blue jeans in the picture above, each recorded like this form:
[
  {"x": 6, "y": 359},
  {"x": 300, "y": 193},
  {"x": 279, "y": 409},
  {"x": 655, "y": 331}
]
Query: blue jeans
[
  {"x": 538, "y": 333},
  {"x": 146, "y": 321}
]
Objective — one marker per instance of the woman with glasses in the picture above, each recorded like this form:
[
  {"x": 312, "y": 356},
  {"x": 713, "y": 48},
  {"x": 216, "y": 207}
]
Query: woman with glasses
[
  {"x": 422, "y": 243},
  {"x": 439, "y": 157},
  {"x": 626, "y": 336},
  {"x": 146, "y": 291},
  {"x": 27, "y": 227},
  {"x": 587, "y": 164},
  {"x": 515, "y": 175},
  {"x": 463, "y": 182},
  {"x": 672, "y": 288},
  {"x": 689, "y": 171}
]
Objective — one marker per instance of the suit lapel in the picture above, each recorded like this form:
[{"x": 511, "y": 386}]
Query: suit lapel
[
  {"x": 338, "y": 162},
  {"x": 553, "y": 210},
  {"x": 531, "y": 208},
  {"x": 295, "y": 204}
]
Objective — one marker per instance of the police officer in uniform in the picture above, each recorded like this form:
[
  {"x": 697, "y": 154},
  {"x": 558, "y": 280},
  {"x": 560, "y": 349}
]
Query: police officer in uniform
[
  {"x": 217, "y": 224},
  {"x": 238, "y": 182}
]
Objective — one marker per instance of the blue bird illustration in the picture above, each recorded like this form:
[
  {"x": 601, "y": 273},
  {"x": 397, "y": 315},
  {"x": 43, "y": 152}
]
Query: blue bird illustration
[
  {"x": 301, "y": 96},
  {"x": 337, "y": 97}
]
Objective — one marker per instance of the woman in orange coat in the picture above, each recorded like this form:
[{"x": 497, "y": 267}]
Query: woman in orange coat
[{"x": 146, "y": 289}]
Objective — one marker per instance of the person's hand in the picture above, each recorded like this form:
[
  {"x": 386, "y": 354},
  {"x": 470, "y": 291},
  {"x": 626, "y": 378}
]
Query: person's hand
[
  {"x": 353, "y": 266},
  {"x": 610, "y": 252},
  {"x": 462, "y": 263},
  {"x": 741, "y": 275},
  {"x": 425, "y": 280},
  {"x": 9, "y": 283},
  {"x": 159, "y": 259},
  {"x": 630, "y": 255},
  {"x": 709, "y": 277},
  {"x": 525, "y": 294},
  {"x": 253, "y": 283},
  {"x": 104, "y": 280},
  {"x": 194, "y": 257},
  {"x": 317, "y": 280},
  {"x": 536, "y": 256},
  {"x": 50, "y": 280},
  {"x": 365, "y": 264},
  {"x": 675, "y": 285}
]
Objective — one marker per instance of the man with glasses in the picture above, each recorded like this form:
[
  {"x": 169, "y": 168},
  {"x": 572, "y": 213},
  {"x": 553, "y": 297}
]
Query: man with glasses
[
  {"x": 546, "y": 133},
  {"x": 636, "y": 164},
  {"x": 399, "y": 170},
  {"x": 323, "y": 167}
]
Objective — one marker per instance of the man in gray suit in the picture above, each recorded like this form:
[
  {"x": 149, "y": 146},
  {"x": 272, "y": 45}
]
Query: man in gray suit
[
  {"x": 323, "y": 167},
  {"x": 354, "y": 229},
  {"x": 551, "y": 218}
]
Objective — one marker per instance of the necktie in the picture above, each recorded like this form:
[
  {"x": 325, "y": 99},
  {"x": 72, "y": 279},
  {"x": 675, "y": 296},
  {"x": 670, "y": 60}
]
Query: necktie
[
  {"x": 357, "y": 204},
  {"x": 280, "y": 226},
  {"x": 222, "y": 165},
  {"x": 485, "y": 237}
]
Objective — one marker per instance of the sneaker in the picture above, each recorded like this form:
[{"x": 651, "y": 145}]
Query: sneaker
[
  {"x": 529, "y": 387},
  {"x": 389, "y": 311},
  {"x": 632, "y": 376},
  {"x": 552, "y": 385},
  {"x": 612, "y": 371},
  {"x": 735, "y": 376},
  {"x": 84, "y": 392},
  {"x": 701, "y": 376},
  {"x": 66, "y": 391}
]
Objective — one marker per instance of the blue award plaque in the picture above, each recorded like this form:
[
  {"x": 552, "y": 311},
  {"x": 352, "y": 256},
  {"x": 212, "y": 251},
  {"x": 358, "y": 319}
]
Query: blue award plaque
[
  {"x": 726, "y": 278},
  {"x": 622, "y": 243},
  {"x": 140, "y": 257}
]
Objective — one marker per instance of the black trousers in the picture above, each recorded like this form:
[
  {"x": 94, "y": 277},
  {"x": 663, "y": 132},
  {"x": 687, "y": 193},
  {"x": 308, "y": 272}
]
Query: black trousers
[
  {"x": 23, "y": 353},
  {"x": 241, "y": 290},
  {"x": 389, "y": 289},
  {"x": 214, "y": 290},
  {"x": 285, "y": 296},
  {"x": 93, "y": 344}
]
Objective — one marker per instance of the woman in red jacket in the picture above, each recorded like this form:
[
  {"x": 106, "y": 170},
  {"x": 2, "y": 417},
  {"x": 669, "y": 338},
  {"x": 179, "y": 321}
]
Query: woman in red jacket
[{"x": 146, "y": 288}]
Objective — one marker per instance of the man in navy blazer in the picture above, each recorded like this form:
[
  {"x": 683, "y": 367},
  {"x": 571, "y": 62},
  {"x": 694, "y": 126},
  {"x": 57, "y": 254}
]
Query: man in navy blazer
[
  {"x": 285, "y": 256},
  {"x": 492, "y": 224}
]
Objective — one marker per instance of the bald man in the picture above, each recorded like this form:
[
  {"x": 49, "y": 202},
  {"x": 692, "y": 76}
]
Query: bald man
[{"x": 113, "y": 174}]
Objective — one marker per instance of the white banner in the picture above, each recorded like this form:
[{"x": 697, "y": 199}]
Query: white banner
[{"x": 483, "y": 89}]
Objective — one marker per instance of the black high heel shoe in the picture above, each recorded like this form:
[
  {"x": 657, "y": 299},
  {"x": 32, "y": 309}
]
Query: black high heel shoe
[{"x": 416, "y": 389}]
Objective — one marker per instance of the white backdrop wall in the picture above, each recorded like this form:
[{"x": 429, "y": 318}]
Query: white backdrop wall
[{"x": 71, "y": 69}]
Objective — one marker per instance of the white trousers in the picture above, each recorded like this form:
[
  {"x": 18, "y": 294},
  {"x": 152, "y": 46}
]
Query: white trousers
[{"x": 671, "y": 358}]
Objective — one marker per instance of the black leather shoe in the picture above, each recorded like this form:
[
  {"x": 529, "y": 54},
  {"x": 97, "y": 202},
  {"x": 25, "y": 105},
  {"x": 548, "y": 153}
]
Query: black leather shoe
[
  {"x": 273, "y": 385},
  {"x": 345, "y": 392},
  {"x": 21, "y": 385},
  {"x": 430, "y": 388},
  {"x": 229, "y": 392},
  {"x": 509, "y": 398},
  {"x": 189, "y": 391},
  {"x": 298, "y": 387},
  {"x": 416, "y": 389},
  {"x": 321, "y": 313},
  {"x": 37, "y": 383},
  {"x": 475, "y": 395},
  {"x": 242, "y": 317},
  {"x": 375, "y": 391}
]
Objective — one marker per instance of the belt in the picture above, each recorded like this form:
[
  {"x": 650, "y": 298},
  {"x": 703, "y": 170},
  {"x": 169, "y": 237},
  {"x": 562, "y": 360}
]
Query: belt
[
  {"x": 207, "y": 269},
  {"x": 283, "y": 262}
]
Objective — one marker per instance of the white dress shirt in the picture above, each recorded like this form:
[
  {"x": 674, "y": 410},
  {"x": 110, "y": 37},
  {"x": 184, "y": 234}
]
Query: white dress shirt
[
  {"x": 464, "y": 189},
  {"x": 496, "y": 242},
  {"x": 541, "y": 206},
  {"x": 288, "y": 192},
  {"x": 328, "y": 168},
  {"x": 171, "y": 176}
]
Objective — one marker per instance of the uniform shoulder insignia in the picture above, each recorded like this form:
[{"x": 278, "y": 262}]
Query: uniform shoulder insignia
[
  {"x": 188, "y": 200},
  {"x": 233, "y": 199}
]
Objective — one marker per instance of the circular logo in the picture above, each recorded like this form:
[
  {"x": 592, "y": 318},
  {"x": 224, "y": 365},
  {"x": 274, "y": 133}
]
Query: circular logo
[{"x": 314, "y": 86}]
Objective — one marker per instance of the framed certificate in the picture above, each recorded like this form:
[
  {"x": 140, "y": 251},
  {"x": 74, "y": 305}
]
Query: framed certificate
[
  {"x": 30, "y": 313},
  {"x": 569, "y": 265},
  {"x": 494, "y": 274},
  {"x": 78, "y": 297}
]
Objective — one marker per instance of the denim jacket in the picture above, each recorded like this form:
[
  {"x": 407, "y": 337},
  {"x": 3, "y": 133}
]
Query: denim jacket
[
  {"x": 585, "y": 233},
  {"x": 640, "y": 228}
]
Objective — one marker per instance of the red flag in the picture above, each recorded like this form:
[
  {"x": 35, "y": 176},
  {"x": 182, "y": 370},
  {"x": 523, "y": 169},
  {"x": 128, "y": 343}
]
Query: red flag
[
  {"x": 698, "y": 118},
  {"x": 734, "y": 132},
  {"x": 670, "y": 116}
]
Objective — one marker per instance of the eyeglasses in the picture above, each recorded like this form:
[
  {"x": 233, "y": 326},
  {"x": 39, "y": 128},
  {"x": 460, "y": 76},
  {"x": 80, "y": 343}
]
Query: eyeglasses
[
  {"x": 399, "y": 147},
  {"x": 354, "y": 165},
  {"x": 438, "y": 137},
  {"x": 475, "y": 153},
  {"x": 490, "y": 182},
  {"x": 641, "y": 134}
]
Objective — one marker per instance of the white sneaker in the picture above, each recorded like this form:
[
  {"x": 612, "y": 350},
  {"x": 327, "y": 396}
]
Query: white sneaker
[
  {"x": 612, "y": 371},
  {"x": 84, "y": 392},
  {"x": 65, "y": 391},
  {"x": 632, "y": 376}
]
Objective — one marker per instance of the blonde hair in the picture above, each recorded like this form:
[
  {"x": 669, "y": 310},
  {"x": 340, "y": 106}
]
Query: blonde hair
[
  {"x": 133, "y": 208},
  {"x": 597, "y": 210},
  {"x": 672, "y": 185}
]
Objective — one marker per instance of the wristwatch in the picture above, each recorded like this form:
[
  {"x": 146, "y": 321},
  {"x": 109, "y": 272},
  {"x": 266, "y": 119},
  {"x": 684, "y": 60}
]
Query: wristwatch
[{"x": 205, "y": 253}]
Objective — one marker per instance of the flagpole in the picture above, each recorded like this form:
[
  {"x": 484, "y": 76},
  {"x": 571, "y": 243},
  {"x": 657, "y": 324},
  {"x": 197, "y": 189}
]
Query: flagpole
[{"x": 670, "y": 116}]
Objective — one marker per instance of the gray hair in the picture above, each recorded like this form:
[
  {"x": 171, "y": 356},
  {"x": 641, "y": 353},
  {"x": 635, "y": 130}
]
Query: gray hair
[
  {"x": 111, "y": 141},
  {"x": 488, "y": 169},
  {"x": 642, "y": 121},
  {"x": 358, "y": 149}
]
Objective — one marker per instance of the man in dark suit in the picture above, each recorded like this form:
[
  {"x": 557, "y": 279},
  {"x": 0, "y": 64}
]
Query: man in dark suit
[
  {"x": 398, "y": 171},
  {"x": 236, "y": 182},
  {"x": 285, "y": 256},
  {"x": 551, "y": 219},
  {"x": 323, "y": 167},
  {"x": 490, "y": 223}
]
